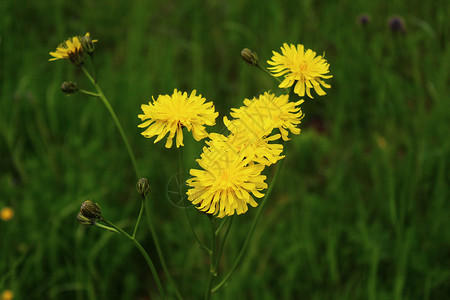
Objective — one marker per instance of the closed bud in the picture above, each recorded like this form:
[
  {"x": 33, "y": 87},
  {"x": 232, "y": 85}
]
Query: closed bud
[
  {"x": 249, "y": 57},
  {"x": 69, "y": 87},
  {"x": 88, "y": 43},
  {"x": 143, "y": 186},
  {"x": 91, "y": 210},
  {"x": 84, "y": 220},
  {"x": 364, "y": 19},
  {"x": 397, "y": 24}
]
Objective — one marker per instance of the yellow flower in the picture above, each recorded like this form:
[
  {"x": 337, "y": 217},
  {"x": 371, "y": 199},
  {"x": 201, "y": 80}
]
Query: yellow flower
[
  {"x": 71, "y": 49},
  {"x": 6, "y": 213},
  {"x": 300, "y": 67},
  {"x": 227, "y": 182},
  {"x": 170, "y": 114},
  {"x": 245, "y": 136},
  {"x": 261, "y": 115},
  {"x": 7, "y": 295}
]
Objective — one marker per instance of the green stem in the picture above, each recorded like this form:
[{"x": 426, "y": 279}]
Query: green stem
[
  {"x": 160, "y": 254},
  {"x": 143, "y": 252},
  {"x": 116, "y": 120},
  {"x": 221, "y": 225},
  {"x": 250, "y": 233},
  {"x": 212, "y": 265},
  {"x": 139, "y": 217},
  {"x": 219, "y": 256},
  {"x": 267, "y": 72},
  {"x": 89, "y": 93},
  {"x": 204, "y": 247},
  {"x": 105, "y": 227}
]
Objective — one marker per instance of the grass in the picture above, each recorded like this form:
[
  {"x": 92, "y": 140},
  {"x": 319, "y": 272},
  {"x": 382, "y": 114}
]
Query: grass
[{"x": 361, "y": 207}]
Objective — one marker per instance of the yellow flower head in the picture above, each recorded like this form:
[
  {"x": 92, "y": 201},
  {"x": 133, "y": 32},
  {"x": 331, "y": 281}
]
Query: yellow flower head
[
  {"x": 228, "y": 181},
  {"x": 7, "y": 295},
  {"x": 171, "y": 113},
  {"x": 261, "y": 115},
  {"x": 300, "y": 67},
  {"x": 6, "y": 213},
  {"x": 72, "y": 49},
  {"x": 251, "y": 136}
]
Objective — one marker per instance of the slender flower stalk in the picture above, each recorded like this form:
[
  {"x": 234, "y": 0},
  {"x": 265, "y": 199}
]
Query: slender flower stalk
[
  {"x": 219, "y": 255},
  {"x": 143, "y": 252},
  {"x": 250, "y": 233},
  {"x": 201, "y": 244},
  {"x": 161, "y": 255},
  {"x": 212, "y": 262},
  {"x": 105, "y": 101},
  {"x": 141, "y": 210}
]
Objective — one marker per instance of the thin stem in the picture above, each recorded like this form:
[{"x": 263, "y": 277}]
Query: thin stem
[
  {"x": 89, "y": 93},
  {"x": 219, "y": 256},
  {"x": 143, "y": 252},
  {"x": 250, "y": 233},
  {"x": 139, "y": 217},
  {"x": 105, "y": 227},
  {"x": 267, "y": 72},
  {"x": 180, "y": 162},
  {"x": 221, "y": 225},
  {"x": 116, "y": 120},
  {"x": 160, "y": 254},
  {"x": 204, "y": 247},
  {"x": 212, "y": 265}
]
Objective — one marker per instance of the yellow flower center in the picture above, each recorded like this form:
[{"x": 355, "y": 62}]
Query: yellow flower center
[{"x": 303, "y": 66}]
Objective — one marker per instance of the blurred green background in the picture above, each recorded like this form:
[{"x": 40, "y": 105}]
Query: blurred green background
[{"x": 361, "y": 207}]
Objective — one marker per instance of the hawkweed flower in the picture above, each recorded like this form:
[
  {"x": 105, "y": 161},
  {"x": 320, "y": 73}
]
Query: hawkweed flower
[
  {"x": 301, "y": 69},
  {"x": 6, "y": 213},
  {"x": 7, "y": 295},
  {"x": 227, "y": 182},
  {"x": 263, "y": 114},
  {"x": 169, "y": 114},
  {"x": 261, "y": 150},
  {"x": 71, "y": 50}
]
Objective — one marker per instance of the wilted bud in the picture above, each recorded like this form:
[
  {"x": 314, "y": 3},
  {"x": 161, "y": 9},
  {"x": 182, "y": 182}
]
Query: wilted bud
[
  {"x": 364, "y": 19},
  {"x": 91, "y": 210},
  {"x": 397, "y": 24},
  {"x": 143, "y": 186},
  {"x": 249, "y": 57},
  {"x": 88, "y": 43},
  {"x": 84, "y": 220},
  {"x": 69, "y": 87}
]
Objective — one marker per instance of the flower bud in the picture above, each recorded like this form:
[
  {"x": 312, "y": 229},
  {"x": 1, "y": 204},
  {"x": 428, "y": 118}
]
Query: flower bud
[
  {"x": 249, "y": 57},
  {"x": 364, "y": 19},
  {"x": 84, "y": 220},
  {"x": 397, "y": 24},
  {"x": 69, "y": 87},
  {"x": 90, "y": 210},
  {"x": 143, "y": 186},
  {"x": 87, "y": 43}
]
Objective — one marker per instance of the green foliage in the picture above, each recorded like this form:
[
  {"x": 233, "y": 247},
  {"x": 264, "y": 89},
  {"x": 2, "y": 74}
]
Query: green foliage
[{"x": 361, "y": 207}]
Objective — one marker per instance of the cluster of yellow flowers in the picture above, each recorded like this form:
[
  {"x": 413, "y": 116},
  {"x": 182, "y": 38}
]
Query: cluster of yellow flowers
[{"x": 231, "y": 164}]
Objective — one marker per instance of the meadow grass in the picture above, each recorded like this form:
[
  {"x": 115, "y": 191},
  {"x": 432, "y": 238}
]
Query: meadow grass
[{"x": 361, "y": 207}]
